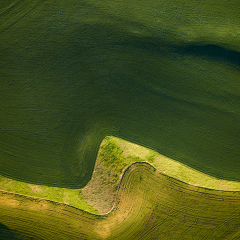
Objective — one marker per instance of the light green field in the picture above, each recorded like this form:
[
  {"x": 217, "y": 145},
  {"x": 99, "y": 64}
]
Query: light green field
[
  {"x": 114, "y": 156},
  {"x": 63, "y": 195},
  {"x": 178, "y": 211},
  {"x": 133, "y": 152}
]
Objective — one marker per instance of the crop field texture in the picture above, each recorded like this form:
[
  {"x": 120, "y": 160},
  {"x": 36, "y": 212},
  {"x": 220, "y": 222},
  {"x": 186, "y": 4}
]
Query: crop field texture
[
  {"x": 162, "y": 74},
  {"x": 149, "y": 205},
  {"x": 114, "y": 156}
]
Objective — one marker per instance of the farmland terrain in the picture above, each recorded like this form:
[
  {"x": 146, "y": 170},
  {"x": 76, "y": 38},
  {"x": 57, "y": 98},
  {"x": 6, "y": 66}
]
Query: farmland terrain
[
  {"x": 164, "y": 75},
  {"x": 115, "y": 155},
  {"x": 149, "y": 205},
  {"x": 161, "y": 74}
]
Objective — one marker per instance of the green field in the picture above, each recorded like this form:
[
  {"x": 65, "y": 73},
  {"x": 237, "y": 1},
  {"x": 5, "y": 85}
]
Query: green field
[
  {"x": 162, "y": 74},
  {"x": 149, "y": 205},
  {"x": 114, "y": 156}
]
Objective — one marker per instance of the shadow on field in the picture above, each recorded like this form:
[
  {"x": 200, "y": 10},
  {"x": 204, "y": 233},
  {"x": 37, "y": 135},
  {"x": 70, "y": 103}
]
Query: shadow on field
[
  {"x": 6, "y": 233},
  {"x": 213, "y": 52},
  {"x": 69, "y": 80}
]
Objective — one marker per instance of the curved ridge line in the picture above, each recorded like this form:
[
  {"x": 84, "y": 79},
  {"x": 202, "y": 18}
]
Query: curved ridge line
[{"x": 119, "y": 185}]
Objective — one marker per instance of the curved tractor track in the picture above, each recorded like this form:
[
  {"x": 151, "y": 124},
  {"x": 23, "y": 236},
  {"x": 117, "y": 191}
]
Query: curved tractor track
[{"x": 149, "y": 205}]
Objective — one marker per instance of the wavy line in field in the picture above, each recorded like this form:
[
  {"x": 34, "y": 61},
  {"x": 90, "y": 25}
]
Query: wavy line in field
[
  {"x": 149, "y": 205},
  {"x": 115, "y": 153},
  {"x": 113, "y": 157}
]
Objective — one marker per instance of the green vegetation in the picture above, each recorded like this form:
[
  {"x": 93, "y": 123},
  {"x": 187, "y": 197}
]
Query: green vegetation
[
  {"x": 113, "y": 157},
  {"x": 116, "y": 154},
  {"x": 69, "y": 196},
  {"x": 129, "y": 153},
  {"x": 178, "y": 211},
  {"x": 162, "y": 74}
]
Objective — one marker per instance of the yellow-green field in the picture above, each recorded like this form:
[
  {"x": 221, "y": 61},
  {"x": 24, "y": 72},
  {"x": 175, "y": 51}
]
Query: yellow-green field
[
  {"x": 149, "y": 205},
  {"x": 114, "y": 156}
]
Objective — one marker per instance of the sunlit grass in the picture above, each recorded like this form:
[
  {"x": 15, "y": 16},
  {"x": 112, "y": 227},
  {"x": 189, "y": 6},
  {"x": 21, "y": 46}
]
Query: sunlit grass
[{"x": 114, "y": 156}]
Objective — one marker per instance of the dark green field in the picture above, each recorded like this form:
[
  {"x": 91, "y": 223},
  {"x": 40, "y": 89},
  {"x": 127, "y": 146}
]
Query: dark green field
[
  {"x": 163, "y": 74},
  {"x": 149, "y": 205},
  {"x": 114, "y": 156}
]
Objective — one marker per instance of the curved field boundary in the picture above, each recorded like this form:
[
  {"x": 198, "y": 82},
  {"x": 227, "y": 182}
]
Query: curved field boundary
[
  {"x": 75, "y": 71},
  {"x": 100, "y": 192},
  {"x": 149, "y": 205},
  {"x": 116, "y": 154}
]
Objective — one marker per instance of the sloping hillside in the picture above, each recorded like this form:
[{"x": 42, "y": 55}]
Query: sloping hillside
[
  {"x": 162, "y": 74},
  {"x": 149, "y": 205}
]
